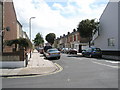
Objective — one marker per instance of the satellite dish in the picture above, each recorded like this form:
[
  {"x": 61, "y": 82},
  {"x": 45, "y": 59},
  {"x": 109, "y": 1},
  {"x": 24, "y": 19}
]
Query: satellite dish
[{"x": 8, "y": 28}]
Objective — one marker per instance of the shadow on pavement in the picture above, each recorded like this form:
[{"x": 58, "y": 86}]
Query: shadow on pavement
[
  {"x": 74, "y": 56},
  {"x": 51, "y": 59},
  {"x": 9, "y": 67},
  {"x": 18, "y": 75}
]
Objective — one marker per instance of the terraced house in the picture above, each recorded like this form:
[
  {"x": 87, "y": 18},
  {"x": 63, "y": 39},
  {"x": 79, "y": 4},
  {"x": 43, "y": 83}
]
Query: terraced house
[{"x": 71, "y": 40}]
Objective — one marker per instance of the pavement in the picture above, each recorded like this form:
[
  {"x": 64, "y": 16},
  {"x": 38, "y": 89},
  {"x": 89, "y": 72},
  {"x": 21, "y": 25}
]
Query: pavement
[{"x": 37, "y": 65}]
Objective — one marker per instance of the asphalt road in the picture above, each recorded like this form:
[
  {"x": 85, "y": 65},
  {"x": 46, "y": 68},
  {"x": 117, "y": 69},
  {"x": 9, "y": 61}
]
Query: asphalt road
[{"x": 78, "y": 72}]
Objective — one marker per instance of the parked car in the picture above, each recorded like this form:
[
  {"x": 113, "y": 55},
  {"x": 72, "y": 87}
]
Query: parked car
[
  {"x": 46, "y": 48},
  {"x": 72, "y": 51},
  {"x": 59, "y": 49},
  {"x": 37, "y": 49},
  {"x": 52, "y": 53},
  {"x": 65, "y": 50},
  {"x": 92, "y": 52},
  {"x": 41, "y": 51},
  {"x": 83, "y": 52}
]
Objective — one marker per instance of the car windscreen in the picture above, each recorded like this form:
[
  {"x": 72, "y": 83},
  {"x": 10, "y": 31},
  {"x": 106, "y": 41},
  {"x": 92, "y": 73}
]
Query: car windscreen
[
  {"x": 53, "y": 50},
  {"x": 97, "y": 49}
]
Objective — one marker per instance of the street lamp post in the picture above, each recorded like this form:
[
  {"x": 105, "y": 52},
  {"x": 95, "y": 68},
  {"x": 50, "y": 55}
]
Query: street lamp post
[
  {"x": 98, "y": 25},
  {"x": 30, "y": 31}
]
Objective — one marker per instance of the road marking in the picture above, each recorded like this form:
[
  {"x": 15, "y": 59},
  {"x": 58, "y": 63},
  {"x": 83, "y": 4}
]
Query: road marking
[
  {"x": 106, "y": 65},
  {"x": 60, "y": 68},
  {"x": 116, "y": 62}
]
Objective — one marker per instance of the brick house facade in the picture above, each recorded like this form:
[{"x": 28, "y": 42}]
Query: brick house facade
[
  {"x": 71, "y": 40},
  {"x": 9, "y": 20}
]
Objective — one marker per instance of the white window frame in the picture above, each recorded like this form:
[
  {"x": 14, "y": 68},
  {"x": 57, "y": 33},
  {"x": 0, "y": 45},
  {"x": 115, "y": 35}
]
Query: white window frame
[{"x": 111, "y": 42}]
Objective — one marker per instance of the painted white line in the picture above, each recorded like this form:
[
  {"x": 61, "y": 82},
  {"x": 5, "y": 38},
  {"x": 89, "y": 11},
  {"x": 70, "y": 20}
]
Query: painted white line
[
  {"x": 106, "y": 65},
  {"x": 116, "y": 62}
]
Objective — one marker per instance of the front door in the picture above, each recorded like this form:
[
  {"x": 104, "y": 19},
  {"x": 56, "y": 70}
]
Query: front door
[{"x": 80, "y": 48}]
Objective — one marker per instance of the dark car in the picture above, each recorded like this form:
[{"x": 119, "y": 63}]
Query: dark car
[
  {"x": 46, "y": 48},
  {"x": 92, "y": 52}
]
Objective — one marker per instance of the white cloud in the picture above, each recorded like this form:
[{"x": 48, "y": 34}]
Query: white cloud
[
  {"x": 58, "y": 6},
  {"x": 59, "y": 20}
]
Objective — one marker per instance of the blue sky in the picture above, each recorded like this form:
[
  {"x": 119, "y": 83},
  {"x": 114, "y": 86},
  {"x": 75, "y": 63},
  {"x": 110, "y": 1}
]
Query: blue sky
[{"x": 56, "y": 16}]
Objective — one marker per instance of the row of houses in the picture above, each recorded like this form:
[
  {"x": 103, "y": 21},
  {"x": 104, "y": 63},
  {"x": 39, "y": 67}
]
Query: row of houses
[
  {"x": 107, "y": 37},
  {"x": 10, "y": 29},
  {"x": 72, "y": 40}
]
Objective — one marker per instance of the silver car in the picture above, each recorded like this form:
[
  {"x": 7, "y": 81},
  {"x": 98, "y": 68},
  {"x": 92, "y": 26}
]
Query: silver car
[{"x": 52, "y": 53}]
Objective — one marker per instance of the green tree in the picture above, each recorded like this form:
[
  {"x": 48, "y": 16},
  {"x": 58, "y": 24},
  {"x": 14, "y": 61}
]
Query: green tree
[
  {"x": 38, "y": 39},
  {"x": 50, "y": 38},
  {"x": 86, "y": 28},
  {"x": 22, "y": 42}
]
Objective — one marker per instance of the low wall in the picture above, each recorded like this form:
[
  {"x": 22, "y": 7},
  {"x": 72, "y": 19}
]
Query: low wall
[
  {"x": 12, "y": 64},
  {"x": 14, "y": 59},
  {"x": 16, "y": 56},
  {"x": 113, "y": 53},
  {"x": 110, "y": 57},
  {"x": 10, "y": 58}
]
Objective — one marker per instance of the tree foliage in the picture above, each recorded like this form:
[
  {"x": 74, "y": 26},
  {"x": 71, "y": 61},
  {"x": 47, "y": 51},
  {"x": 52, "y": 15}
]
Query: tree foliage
[
  {"x": 38, "y": 39},
  {"x": 22, "y": 42},
  {"x": 50, "y": 38},
  {"x": 86, "y": 27}
]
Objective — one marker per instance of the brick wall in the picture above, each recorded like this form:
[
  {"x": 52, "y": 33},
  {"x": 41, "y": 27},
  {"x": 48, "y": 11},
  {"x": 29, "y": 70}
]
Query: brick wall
[
  {"x": 10, "y": 20},
  {"x": 14, "y": 56}
]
